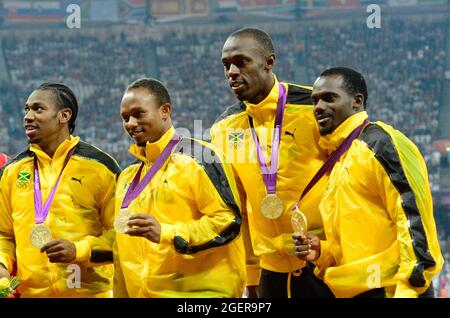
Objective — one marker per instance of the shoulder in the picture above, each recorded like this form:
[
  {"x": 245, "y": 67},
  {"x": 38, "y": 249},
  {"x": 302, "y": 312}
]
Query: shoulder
[
  {"x": 203, "y": 153},
  {"x": 383, "y": 138},
  {"x": 16, "y": 160},
  {"x": 393, "y": 150},
  {"x": 205, "y": 156},
  {"x": 232, "y": 110},
  {"x": 85, "y": 150},
  {"x": 298, "y": 94},
  {"x": 211, "y": 162}
]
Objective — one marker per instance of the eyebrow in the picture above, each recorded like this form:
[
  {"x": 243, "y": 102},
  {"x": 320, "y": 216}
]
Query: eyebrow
[
  {"x": 133, "y": 109},
  {"x": 238, "y": 56},
  {"x": 326, "y": 93},
  {"x": 35, "y": 104}
]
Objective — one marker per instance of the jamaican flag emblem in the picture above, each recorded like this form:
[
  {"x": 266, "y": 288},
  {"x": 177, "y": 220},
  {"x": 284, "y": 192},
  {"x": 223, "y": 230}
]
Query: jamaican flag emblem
[
  {"x": 23, "y": 180},
  {"x": 235, "y": 139}
]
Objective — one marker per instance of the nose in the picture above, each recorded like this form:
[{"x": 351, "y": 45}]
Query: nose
[
  {"x": 131, "y": 123},
  {"x": 233, "y": 71},
  {"x": 29, "y": 116},
  {"x": 320, "y": 106}
]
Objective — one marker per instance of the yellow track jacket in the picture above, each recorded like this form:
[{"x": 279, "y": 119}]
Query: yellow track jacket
[
  {"x": 378, "y": 215},
  {"x": 194, "y": 198},
  {"x": 299, "y": 159},
  {"x": 82, "y": 212}
]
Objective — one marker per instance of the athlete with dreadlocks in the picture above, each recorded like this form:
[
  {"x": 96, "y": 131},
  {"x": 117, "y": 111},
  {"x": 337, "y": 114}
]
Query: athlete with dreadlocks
[{"x": 57, "y": 204}]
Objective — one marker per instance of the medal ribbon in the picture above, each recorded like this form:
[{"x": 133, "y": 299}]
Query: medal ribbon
[
  {"x": 40, "y": 211},
  {"x": 331, "y": 161},
  {"x": 137, "y": 187},
  {"x": 270, "y": 175}
]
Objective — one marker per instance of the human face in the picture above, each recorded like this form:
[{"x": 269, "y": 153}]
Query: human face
[
  {"x": 332, "y": 103},
  {"x": 43, "y": 120},
  {"x": 248, "y": 69},
  {"x": 143, "y": 118}
]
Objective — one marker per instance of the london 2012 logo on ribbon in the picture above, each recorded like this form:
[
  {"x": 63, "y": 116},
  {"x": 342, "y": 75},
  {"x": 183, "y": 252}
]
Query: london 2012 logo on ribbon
[{"x": 23, "y": 180}]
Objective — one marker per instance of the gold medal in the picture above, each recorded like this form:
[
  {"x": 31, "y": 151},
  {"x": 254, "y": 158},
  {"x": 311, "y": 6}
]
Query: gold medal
[
  {"x": 299, "y": 222},
  {"x": 272, "y": 207},
  {"x": 40, "y": 235},
  {"x": 120, "y": 222}
]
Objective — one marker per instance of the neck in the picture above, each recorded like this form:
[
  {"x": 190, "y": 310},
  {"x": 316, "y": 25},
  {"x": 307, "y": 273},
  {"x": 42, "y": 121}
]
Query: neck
[
  {"x": 50, "y": 146},
  {"x": 265, "y": 92},
  {"x": 165, "y": 129}
]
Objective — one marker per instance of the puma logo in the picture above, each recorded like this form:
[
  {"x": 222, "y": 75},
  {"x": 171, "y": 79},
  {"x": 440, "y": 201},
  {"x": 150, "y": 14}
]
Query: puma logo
[
  {"x": 287, "y": 133},
  {"x": 78, "y": 180}
]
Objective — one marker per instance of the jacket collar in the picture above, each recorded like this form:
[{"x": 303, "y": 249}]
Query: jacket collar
[
  {"x": 60, "y": 153},
  {"x": 331, "y": 141},
  {"x": 151, "y": 151},
  {"x": 265, "y": 110}
]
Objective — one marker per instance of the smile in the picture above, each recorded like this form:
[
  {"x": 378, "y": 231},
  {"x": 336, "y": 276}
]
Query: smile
[
  {"x": 237, "y": 85},
  {"x": 29, "y": 129},
  {"x": 322, "y": 121},
  {"x": 135, "y": 134}
]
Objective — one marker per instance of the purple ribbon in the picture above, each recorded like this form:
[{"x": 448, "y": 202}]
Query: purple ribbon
[
  {"x": 40, "y": 211},
  {"x": 137, "y": 187},
  {"x": 334, "y": 157},
  {"x": 270, "y": 175}
]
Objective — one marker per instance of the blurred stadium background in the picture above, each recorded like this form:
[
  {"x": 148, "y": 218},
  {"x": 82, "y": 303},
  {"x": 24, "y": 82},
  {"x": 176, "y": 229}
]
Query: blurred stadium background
[{"x": 406, "y": 63}]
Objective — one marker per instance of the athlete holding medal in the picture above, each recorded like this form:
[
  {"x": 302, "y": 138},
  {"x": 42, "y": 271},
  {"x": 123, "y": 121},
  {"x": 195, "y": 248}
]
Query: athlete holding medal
[
  {"x": 381, "y": 238},
  {"x": 274, "y": 158},
  {"x": 57, "y": 204},
  {"x": 177, "y": 209}
]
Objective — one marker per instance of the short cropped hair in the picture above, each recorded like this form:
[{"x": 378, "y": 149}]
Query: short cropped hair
[
  {"x": 261, "y": 37},
  {"x": 153, "y": 86},
  {"x": 354, "y": 82}
]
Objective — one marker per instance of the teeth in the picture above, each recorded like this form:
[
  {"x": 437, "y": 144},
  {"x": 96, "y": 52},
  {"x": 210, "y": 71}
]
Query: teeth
[{"x": 322, "y": 120}]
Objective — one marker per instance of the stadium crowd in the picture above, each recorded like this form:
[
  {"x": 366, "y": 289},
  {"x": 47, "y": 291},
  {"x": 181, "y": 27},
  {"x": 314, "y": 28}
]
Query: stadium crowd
[{"x": 403, "y": 63}]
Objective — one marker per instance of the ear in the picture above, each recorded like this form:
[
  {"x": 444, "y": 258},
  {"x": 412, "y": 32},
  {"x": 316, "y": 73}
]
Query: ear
[
  {"x": 270, "y": 62},
  {"x": 166, "y": 111},
  {"x": 358, "y": 102},
  {"x": 65, "y": 115}
]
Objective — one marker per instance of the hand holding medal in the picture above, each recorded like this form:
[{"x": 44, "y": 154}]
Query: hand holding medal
[
  {"x": 299, "y": 222},
  {"x": 40, "y": 235},
  {"x": 302, "y": 242},
  {"x": 120, "y": 222},
  {"x": 136, "y": 186}
]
